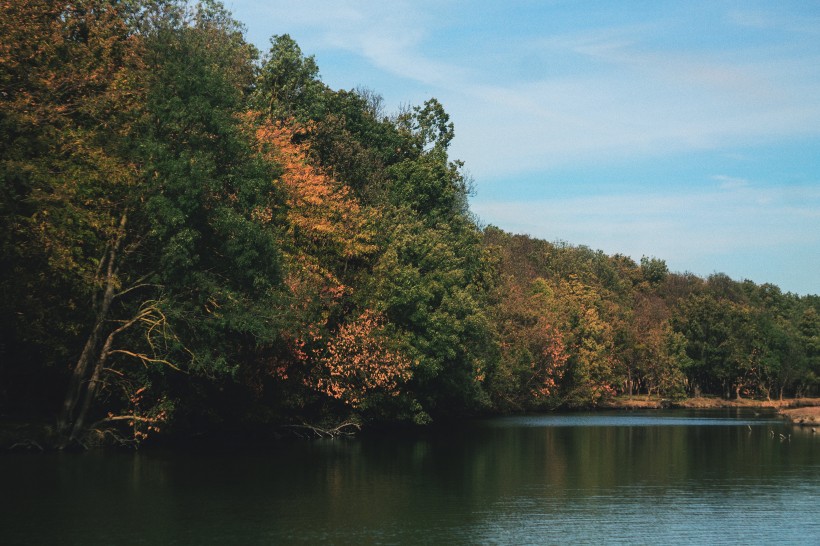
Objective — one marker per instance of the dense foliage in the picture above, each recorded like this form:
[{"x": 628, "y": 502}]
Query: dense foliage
[
  {"x": 630, "y": 328},
  {"x": 197, "y": 238}
]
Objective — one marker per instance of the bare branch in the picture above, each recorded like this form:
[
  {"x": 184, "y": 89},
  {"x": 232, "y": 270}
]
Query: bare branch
[
  {"x": 145, "y": 358},
  {"x": 128, "y": 323},
  {"x": 135, "y": 287},
  {"x": 113, "y": 418},
  {"x": 27, "y": 444}
]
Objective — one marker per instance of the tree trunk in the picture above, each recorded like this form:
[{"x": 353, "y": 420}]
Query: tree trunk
[
  {"x": 91, "y": 390},
  {"x": 84, "y": 378}
]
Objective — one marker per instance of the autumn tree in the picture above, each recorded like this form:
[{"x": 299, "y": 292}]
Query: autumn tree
[
  {"x": 72, "y": 92},
  {"x": 590, "y": 341},
  {"x": 655, "y": 355},
  {"x": 139, "y": 191},
  {"x": 533, "y": 356},
  {"x": 327, "y": 234},
  {"x": 360, "y": 367}
]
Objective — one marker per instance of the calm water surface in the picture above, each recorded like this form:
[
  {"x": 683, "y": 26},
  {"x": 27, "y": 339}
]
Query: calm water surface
[{"x": 639, "y": 477}]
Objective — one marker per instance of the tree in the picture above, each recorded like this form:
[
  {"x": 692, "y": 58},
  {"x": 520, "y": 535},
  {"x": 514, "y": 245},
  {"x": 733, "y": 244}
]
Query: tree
[
  {"x": 327, "y": 235},
  {"x": 808, "y": 339},
  {"x": 656, "y": 353},
  {"x": 533, "y": 355},
  {"x": 590, "y": 341},
  {"x": 72, "y": 88},
  {"x": 191, "y": 267},
  {"x": 654, "y": 270},
  {"x": 288, "y": 84},
  {"x": 429, "y": 282},
  {"x": 360, "y": 367},
  {"x": 426, "y": 180}
]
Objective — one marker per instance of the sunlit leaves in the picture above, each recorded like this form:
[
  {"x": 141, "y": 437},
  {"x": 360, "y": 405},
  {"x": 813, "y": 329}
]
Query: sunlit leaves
[
  {"x": 360, "y": 362},
  {"x": 321, "y": 211}
]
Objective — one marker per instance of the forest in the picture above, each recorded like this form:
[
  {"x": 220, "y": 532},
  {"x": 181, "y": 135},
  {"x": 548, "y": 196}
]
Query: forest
[{"x": 199, "y": 238}]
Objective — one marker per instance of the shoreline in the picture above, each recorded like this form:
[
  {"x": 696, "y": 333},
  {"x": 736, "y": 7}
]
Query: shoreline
[
  {"x": 803, "y": 412},
  {"x": 798, "y": 411},
  {"x": 803, "y": 416}
]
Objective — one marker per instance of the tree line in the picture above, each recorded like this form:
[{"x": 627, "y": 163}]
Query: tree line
[{"x": 196, "y": 236}]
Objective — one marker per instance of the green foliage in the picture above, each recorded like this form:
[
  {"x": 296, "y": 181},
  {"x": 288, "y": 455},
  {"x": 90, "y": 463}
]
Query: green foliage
[
  {"x": 428, "y": 282},
  {"x": 426, "y": 180},
  {"x": 640, "y": 329},
  {"x": 654, "y": 271},
  {"x": 288, "y": 84}
]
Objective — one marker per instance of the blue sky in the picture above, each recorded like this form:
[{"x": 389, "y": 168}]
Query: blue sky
[{"x": 687, "y": 131}]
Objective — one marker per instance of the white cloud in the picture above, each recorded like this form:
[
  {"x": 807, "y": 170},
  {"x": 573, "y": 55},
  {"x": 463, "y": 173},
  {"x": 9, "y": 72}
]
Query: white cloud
[
  {"x": 644, "y": 103},
  {"x": 687, "y": 227}
]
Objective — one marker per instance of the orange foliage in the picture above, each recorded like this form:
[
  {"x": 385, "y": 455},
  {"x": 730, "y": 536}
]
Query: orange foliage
[
  {"x": 314, "y": 295},
  {"x": 321, "y": 210},
  {"x": 71, "y": 84},
  {"x": 532, "y": 347},
  {"x": 141, "y": 421},
  {"x": 67, "y": 58},
  {"x": 326, "y": 227},
  {"x": 550, "y": 358},
  {"x": 359, "y": 362}
]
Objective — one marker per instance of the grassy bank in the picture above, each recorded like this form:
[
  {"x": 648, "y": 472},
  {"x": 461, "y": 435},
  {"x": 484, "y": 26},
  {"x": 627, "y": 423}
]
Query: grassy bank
[{"x": 800, "y": 411}]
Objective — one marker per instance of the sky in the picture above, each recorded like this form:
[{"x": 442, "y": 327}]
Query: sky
[{"x": 686, "y": 131}]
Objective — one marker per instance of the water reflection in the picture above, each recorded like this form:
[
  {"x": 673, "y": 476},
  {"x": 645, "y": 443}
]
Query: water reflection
[{"x": 677, "y": 477}]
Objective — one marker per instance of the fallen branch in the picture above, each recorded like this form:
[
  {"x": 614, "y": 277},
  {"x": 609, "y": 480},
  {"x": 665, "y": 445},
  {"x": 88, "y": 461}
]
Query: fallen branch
[
  {"x": 27, "y": 444},
  {"x": 120, "y": 439},
  {"x": 348, "y": 428}
]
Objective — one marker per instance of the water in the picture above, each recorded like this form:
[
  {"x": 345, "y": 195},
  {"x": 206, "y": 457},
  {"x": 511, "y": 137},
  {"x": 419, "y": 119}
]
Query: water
[{"x": 637, "y": 477}]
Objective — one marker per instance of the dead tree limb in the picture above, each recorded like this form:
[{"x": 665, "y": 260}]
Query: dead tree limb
[{"x": 348, "y": 428}]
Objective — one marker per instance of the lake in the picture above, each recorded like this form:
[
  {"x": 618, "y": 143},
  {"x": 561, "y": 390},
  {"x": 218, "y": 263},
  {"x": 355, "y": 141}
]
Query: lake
[{"x": 662, "y": 477}]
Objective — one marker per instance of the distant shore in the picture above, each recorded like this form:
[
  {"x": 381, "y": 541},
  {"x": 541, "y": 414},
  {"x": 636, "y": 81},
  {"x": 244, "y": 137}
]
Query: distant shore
[{"x": 800, "y": 411}]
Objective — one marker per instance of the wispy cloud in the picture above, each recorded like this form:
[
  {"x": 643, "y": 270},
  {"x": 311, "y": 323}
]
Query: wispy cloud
[
  {"x": 643, "y": 101},
  {"x": 730, "y": 182},
  {"x": 804, "y": 23},
  {"x": 688, "y": 228}
]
